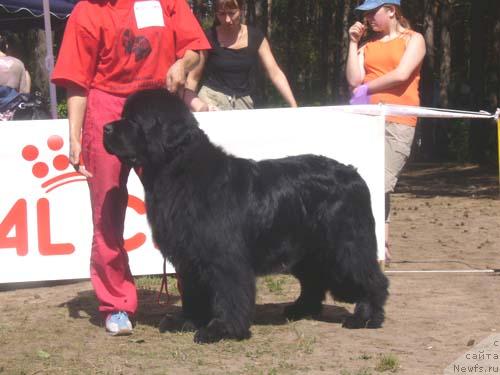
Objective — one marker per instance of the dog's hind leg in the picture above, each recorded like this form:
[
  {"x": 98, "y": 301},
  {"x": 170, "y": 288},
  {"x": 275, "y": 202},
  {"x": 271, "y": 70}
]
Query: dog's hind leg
[
  {"x": 369, "y": 309},
  {"x": 361, "y": 281},
  {"x": 312, "y": 291},
  {"x": 358, "y": 277},
  {"x": 232, "y": 302},
  {"x": 364, "y": 316}
]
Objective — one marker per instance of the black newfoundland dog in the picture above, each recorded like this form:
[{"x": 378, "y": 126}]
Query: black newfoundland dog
[{"x": 223, "y": 220}]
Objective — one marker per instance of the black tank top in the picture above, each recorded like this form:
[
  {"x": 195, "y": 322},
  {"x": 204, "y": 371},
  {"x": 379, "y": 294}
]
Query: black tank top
[{"x": 232, "y": 71}]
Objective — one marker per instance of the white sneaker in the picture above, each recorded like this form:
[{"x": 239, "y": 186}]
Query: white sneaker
[{"x": 118, "y": 324}]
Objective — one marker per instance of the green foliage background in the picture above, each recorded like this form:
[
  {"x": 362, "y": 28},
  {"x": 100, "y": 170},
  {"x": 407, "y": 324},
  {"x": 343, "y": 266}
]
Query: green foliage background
[{"x": 309, "y": 40}]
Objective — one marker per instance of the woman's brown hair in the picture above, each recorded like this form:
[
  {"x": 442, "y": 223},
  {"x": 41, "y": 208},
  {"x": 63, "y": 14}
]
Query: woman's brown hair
[
  {"x": 370, "y": 34},
  {"x": 226, "y": 5},
  {"x": 399, "y": 16}
]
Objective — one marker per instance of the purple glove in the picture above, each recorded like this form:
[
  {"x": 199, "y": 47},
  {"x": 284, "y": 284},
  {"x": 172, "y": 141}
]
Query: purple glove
[{"x": 360, "y": 95}]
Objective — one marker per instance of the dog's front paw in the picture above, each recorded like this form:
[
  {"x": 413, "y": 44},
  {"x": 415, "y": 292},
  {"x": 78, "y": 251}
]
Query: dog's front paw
[
  {"x": 374, "y": 324},
  {"x": 215, "y": 331},
  {"x": 354, "y": 322},
  {"x": 206, "y": 336}
]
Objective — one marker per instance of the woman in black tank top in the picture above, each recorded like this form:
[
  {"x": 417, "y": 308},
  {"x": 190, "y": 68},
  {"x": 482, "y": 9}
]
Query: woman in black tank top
[{"x": 227, "y": 71}]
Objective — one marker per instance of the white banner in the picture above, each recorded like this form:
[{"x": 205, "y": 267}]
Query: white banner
[{"x": 45, "y": 217}]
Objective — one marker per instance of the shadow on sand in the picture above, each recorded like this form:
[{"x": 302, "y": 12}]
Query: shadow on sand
[
  {"x": 453, "y": 180},
  {"x": 150, "y": 313}
]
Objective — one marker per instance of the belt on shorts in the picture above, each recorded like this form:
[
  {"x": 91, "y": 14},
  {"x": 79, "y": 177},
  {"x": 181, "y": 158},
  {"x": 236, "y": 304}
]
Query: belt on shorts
[{"x": 232, "y": 99}]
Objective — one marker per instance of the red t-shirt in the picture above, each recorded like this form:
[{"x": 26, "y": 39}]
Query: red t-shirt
[{"x": 123, "y": 46}]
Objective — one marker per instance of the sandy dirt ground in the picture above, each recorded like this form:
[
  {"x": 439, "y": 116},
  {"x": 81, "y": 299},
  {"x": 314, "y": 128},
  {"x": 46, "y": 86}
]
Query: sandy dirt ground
[{"x": 444, "y": 218}]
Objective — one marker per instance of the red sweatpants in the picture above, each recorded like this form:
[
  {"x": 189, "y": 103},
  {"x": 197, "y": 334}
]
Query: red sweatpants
[{"x": 109, "y": 269}]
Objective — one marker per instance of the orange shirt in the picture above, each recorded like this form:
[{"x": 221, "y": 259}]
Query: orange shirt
[{"x": 382, "y": 57}]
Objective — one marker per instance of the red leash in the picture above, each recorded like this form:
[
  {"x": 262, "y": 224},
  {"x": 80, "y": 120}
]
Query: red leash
[{"x": 164, "y": 285}]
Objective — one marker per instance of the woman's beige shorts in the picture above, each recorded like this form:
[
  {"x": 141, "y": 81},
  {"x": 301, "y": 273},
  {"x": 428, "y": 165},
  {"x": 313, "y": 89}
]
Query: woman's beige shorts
[
  {"x": 224, "y": 102},
  {"x": 398, "y": 141}
]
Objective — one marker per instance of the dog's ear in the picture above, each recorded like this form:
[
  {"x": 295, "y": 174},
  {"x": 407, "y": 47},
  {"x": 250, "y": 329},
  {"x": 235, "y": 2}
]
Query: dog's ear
[{"x": 166, "y": 140}]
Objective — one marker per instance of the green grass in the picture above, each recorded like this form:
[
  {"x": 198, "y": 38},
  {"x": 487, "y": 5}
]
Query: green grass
[
  {"x": 148, "y": 282},
  {"x": 154, "y": 282},
  {"x": 305, "y": 343},
  {"x": 274, "y": 284},
  {"x": 387, "y": 363}
]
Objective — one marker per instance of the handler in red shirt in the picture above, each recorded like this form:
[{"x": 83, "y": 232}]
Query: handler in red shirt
[{"x": 110, "y": 49}]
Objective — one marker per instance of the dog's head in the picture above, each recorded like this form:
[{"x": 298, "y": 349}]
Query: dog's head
[{"x": 154, "y": 127}]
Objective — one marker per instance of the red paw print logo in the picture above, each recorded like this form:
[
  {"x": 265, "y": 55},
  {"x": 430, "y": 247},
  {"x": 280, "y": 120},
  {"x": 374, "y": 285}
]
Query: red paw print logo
[{"x": 59, "y": 163}]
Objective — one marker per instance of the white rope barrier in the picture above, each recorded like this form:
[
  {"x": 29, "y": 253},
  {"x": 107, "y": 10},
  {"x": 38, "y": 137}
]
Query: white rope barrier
[
  {"x": 405, "y": 110},
  {"x": 442, "y": 271}
]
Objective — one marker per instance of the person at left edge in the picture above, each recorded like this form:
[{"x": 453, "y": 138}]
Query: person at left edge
[
  {"x": 14, "y": 79},
  {"x": 110, "y": 49}
]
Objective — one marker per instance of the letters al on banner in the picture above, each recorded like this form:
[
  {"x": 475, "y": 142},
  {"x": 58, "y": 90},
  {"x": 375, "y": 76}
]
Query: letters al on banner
[{"x": 45, "y": 218}]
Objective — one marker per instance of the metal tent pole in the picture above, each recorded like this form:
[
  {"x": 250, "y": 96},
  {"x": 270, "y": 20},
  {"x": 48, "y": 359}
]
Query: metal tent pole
[{"x": 49, "y": 58}]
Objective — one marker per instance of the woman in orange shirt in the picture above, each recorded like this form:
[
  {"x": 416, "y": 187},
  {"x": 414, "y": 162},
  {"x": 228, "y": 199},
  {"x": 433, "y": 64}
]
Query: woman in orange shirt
[{"x": 386, "y": 69}]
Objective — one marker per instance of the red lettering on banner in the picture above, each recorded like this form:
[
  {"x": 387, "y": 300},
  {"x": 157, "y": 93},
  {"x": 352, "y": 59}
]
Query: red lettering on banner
[
  {"x": 44, "y": 243},
  {"x": 137, "y": 240},
  {"x": 16, "y": 218}
]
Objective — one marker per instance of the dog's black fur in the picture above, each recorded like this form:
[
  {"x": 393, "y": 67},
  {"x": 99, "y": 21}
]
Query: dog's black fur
[{"x": 223, "y": 220}]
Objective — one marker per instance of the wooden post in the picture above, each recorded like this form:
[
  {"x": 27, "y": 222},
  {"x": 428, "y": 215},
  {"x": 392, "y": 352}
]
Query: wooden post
[
  {"x": 498, "y": 137},
  {"x": 49, "y": 60}
]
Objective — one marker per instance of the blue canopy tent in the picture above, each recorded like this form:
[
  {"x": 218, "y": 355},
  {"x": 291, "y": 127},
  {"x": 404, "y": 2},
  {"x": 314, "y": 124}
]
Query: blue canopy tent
[
  {"x": 34, "y": 8},
  {"x": 25, "y": 14}
]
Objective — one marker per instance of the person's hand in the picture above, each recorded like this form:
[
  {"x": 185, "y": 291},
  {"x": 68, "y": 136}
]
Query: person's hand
[
  {"x": 176, "y": 76},
  {"x": 356, "y": 31},
  {"x": 75, "y": 151},
  {"x": 195, "y": 103},
  {"x": 360, "y": 95},
  {"x": 204, "y": 107}
]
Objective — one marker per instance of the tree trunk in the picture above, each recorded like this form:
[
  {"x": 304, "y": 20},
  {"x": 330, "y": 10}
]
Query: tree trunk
[
  {"x": 427, "y": 127},
  {"x": 250, "y": 12},
  {"x": 342, "y": 23},
  {"x": 493, "y": 75},
  {"x": 289, "y": 47},
  {"x": 479, "y": 12},
  {"x": 431, "y": 8},
  {"x": 445, "y": 54},
  {"x": 326, "y": 11},
  {"x": 269, "y": 18},
  {"x": 197, "y": 8}
]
